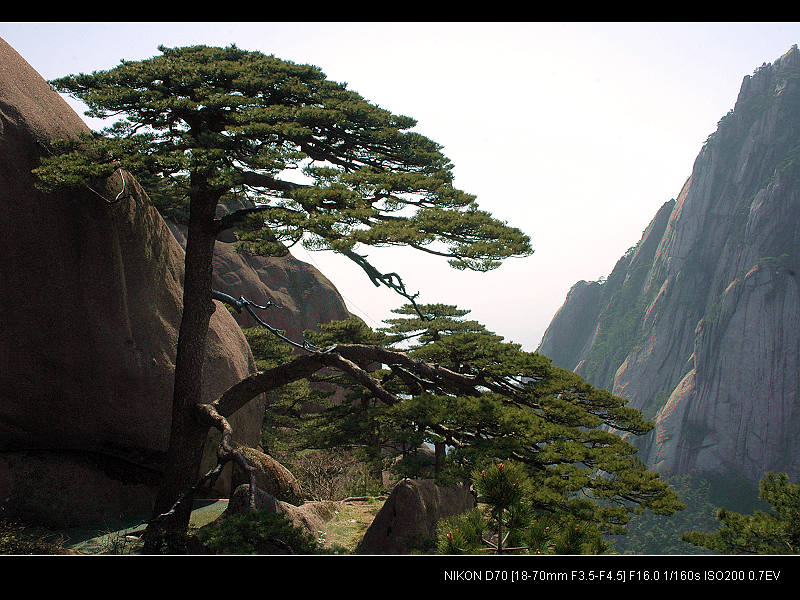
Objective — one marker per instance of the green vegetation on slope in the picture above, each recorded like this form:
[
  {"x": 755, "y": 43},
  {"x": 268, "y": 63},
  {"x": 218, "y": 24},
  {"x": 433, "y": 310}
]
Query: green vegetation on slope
[{"x": 774, "y": 532}]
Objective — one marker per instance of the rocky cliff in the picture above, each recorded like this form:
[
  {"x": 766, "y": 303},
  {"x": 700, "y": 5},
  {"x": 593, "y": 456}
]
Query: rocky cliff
[
  {"x": 698, "y": 324},
  {"x": 90, "y": 294},
  {"x": 90, "y": 297}
]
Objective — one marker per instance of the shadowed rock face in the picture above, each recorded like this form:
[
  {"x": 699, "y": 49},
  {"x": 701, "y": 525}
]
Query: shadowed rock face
[
  {"x": 90, "y": 295},
  {"x": 699, "y": 324}
]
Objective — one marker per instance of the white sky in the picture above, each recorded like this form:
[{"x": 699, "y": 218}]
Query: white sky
[{"x": 574, "y": 132}]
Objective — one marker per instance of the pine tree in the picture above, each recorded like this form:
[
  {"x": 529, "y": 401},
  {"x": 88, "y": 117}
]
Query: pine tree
[
  {"x": 203, "y": 125},
  {"x": 505, "y": 521},
  {"x": 288, "y": 404},
  {"x": 504, "y": 487},
  {"x": 659, "y": 534},
  {"x": 517, "y": 407}
]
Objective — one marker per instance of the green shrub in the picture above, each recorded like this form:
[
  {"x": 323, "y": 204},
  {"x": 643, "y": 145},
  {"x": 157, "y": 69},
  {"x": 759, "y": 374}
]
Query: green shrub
[
  {"x": 462, "y": 534},
  {"x": 259, "y": 532}
]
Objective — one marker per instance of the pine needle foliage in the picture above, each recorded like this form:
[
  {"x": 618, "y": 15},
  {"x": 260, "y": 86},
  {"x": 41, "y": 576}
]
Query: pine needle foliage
[
  {"x": 312, "y": 160},
  {"x": 258, "y": 532},
  {"x": 505, "y": 521},
  {"x": 563, "y": 432}
]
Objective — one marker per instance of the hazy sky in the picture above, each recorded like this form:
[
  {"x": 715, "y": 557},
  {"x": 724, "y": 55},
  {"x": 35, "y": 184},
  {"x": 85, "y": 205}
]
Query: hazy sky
[{"x": 574, "y": 132}]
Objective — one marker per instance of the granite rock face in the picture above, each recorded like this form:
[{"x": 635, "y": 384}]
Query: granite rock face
[
  {"x": 410, "y": 514},
  {"x": 311, "y": 516},
  {"x": 698, "y": 325},
  {"x": 301, "y": 296},
  {"x": 91, "y": 297}
]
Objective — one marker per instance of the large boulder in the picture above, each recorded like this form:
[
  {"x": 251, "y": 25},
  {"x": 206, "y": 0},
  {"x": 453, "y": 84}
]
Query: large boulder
[
  {"x": 310, "y": 516},
  {"x": 91, "y": 298},
  {"x": 271, "y": 476},
  {"x": 409, "y": 516}
]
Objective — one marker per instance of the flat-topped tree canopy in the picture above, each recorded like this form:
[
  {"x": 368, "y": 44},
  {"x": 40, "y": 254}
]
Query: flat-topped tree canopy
[{"x": 227, "y": 122}]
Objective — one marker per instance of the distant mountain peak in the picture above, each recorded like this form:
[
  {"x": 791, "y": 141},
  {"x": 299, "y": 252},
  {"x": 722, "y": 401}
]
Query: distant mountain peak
[{"x": 699, "y": 326}]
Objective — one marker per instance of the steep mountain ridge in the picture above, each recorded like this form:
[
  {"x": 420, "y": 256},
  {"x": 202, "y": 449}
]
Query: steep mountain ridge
[{"x": 698, "y": 325}]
